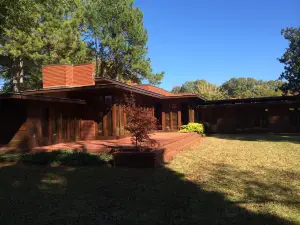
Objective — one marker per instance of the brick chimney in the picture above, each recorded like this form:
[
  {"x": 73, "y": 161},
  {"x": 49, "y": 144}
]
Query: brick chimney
[{"x": 68, "y": 75}]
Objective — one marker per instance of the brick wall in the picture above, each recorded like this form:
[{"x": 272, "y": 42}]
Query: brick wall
[
  {"x": 68, "y": 75},
  {"x": 83, "y": 74}
]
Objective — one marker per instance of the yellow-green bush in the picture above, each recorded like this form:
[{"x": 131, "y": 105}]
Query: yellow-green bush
[{"x": 192, "y": 127}]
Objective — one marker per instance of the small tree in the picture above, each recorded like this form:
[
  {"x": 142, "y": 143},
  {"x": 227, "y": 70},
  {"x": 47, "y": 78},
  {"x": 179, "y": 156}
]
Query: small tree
[{"x": 140, "y": 122}]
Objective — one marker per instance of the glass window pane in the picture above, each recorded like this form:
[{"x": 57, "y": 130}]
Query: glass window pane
[
  {"x": 109, "y": 122},
  {"x": 100, "y": 124},
  {"x": 175, "y": 120},
  {"x": 167, "y": 120}
]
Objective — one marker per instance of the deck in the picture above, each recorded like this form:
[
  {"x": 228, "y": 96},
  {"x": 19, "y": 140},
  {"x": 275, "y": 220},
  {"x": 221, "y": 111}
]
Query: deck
[{"x": 171, "y": 142}]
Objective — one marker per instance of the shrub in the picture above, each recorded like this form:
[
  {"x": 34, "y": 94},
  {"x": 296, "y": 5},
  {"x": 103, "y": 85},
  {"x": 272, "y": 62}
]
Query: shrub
[
  {"x": 10, "y": 157},
  {"x": 193, "y": 127},
  {"x": 60, "y": 157},
  {"x": 207, "y": 127}
]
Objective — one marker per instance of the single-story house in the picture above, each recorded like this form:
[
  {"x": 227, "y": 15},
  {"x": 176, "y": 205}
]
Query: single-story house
[{"x": 73, "y": 105}]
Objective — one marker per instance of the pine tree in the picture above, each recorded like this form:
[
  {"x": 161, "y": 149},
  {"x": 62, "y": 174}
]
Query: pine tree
[
  {"x": 291, "y": 61},
  {"x": 116, "y": 33},
  {"x": 37, "y": 32}
]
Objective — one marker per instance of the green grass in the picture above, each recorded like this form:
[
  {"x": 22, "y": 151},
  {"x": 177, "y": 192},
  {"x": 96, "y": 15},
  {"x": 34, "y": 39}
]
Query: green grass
[
  {"x": 251, "y": 180},
  {"x": 258, "y": 173}
]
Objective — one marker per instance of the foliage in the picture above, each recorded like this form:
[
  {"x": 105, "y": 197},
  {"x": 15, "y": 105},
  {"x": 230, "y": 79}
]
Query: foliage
[
  {"x": 207, "y": 127},
  {"x": 140, "y": 123},
  {"x": 176, "y": 89},
  {"x": 203, "y": 88},
  {"x": 251, "y": 88},
  {"x": 66, "y": 158},
  {"x": 291, "y": 61},
  {"x": 233, "y": 88},
  {"x": 117, "y": 37},
  {"x": 35, "y": 32},
  {"x": 192, "y": 127}
]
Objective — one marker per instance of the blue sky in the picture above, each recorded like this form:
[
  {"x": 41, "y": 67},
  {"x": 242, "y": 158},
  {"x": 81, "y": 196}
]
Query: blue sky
[{"x": 217, "y": 39}]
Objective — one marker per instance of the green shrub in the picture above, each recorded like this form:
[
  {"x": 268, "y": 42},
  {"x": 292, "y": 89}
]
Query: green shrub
[
  {"x": 42, "y": 158},
  {"x": 60, "y": 157},
  {"x": 207, "y": 127},
  {"x": 80, "y": 159},
  {"x": 193, "y": 127},
  {"x": 10, "y": 157}
]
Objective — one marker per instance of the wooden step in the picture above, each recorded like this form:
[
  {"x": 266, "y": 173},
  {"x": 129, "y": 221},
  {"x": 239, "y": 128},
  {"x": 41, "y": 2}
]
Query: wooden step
[{"x": 173, "y": 149}]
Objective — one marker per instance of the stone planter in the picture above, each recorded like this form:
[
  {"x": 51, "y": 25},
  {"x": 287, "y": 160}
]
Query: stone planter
[{"x": 133, "y": 159}]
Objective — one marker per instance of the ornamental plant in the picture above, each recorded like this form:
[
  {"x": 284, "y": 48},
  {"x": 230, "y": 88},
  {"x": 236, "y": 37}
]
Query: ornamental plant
[
  {"x": 193, "y": 127},
  {"x": 140, "y": 122}
]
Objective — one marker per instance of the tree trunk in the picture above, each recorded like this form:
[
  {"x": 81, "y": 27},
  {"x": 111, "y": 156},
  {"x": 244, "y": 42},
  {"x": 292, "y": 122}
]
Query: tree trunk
[
  {"x": 96, "y": 53},
  {"x": 102, "y": 64},
  {"x": 17, "y": 73}
]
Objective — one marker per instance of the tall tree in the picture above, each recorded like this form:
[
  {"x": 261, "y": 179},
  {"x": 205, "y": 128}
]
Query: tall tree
[
  {"x": 116, "y": 33},
  {"x": 36, "y": 32},
  {"x": 291, "y": 61}
]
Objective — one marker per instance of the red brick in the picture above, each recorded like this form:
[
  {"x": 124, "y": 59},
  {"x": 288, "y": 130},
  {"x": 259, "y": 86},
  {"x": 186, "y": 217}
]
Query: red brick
[{"x": 68, "y": 75}]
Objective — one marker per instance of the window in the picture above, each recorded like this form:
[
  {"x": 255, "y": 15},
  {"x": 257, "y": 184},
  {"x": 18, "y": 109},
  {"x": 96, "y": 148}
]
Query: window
[
  {"x": 122, "y": 131},
  {"x": 109, "y": 123},
  {"x": 64, "y": 128},
  {"x": 45, "y": 125},
  {"x": 117, "y": 120},
  {"x": 55, "y": 127},
  {"x": 167, "y": 120},
  {"x": 265, "y": 118},
  {"x": 293, "y": 114},
  {"x": 197, "y": 116},
  {"x": 108, "y": 99},
  {"x": 175, "y": 120},
  {"x": 100, "y": 124},
  {"x": 72, "y": 129},
  {"x": 77, "y": 128}
]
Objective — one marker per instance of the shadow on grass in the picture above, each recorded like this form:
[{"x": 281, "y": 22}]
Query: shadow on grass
[
  {"x": 260, "y": 137},
  {"x": 102, "y": 195},
  {"x": 266, "y": 185},
  {"x": 66, "y": 158}
]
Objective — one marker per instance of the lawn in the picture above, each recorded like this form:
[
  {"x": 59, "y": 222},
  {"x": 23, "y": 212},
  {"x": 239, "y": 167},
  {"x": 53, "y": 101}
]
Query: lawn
[{"x": 222, "y": 180}]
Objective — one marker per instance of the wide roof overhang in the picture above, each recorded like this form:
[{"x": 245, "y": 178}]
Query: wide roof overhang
[
  {"x": 19, "y": 96},
  {"x": 104, "y": 83}
]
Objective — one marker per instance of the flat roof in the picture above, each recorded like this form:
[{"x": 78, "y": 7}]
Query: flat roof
[
  {"x": 40, "y": 98},
  {"x": 109, "y": 83},
  {"x": 251, "y": 100}
]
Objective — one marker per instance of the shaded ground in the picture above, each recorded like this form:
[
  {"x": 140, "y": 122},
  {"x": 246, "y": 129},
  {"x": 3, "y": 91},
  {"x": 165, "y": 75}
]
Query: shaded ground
[{"x": 216, "y": 182}]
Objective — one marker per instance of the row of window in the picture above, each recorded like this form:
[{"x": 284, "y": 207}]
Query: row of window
[
  {"x": 168, "y": 120},
  {"x": 120, "y": 130},
  {"x": 63, "y": 126},
  {"x": 257, "y": 118}
]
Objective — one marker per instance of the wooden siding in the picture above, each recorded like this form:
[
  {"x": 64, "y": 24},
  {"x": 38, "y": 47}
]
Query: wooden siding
[{"x": 270, "y": 118}]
